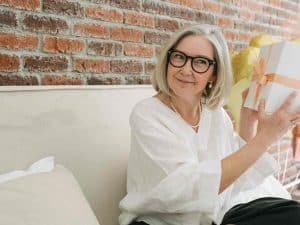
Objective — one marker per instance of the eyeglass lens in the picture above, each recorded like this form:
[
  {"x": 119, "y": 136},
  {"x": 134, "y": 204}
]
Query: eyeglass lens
[{"x": 199, "y": 64}]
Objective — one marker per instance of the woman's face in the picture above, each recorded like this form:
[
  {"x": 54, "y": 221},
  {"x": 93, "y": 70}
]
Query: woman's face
[{"x": 184, "y": 81}]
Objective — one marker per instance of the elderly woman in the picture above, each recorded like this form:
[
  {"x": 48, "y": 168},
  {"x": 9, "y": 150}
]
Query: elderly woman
[{"x": 186, "y": 166}]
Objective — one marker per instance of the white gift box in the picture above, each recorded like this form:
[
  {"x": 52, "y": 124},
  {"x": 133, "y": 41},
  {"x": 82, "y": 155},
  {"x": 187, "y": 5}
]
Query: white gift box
[{"x": 275, "y": 76}]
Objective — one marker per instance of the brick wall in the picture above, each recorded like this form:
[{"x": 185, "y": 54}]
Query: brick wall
[{"x": 44, "y": 42}]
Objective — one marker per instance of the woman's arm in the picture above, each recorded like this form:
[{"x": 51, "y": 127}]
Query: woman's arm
[
  {"x": 234, "y": 165},
  {"x": 248, "y": 120},
  {"x": 270, "y": 129}
]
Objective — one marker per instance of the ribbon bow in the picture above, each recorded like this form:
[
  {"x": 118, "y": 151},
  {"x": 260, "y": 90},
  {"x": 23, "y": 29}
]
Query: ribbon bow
[{"x": 261, "y": 78}]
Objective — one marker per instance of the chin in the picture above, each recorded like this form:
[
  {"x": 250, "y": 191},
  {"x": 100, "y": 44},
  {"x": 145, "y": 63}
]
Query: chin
[{"x": 186, "y": 93}]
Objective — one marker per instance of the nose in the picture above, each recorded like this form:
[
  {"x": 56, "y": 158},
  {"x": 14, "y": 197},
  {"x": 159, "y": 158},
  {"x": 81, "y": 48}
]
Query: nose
[{"x": 187, "y": 68}]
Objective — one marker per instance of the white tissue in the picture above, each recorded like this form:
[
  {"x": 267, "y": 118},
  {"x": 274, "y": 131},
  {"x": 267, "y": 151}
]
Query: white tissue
[{"x": 43, "y": 165}]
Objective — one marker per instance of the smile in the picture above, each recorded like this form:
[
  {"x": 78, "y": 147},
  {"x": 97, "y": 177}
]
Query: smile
[{"x": 185, "y": 81}]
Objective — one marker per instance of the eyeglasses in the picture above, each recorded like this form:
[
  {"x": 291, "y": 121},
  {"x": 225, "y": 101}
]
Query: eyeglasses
[{"x": 200, "y": 64}]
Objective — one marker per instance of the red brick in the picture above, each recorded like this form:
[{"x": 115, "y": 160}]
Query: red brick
[
  {"x": 64, "y": 45},
  {"x": 127, "y": 34},
  {"x": 241, "y": 25},
  {"x": 203, "y": 17},
  {"x": 289, "y": 6},
  {"x": 9, "y": 63},
  {"x": 126, "y": 4},
  {"x": 138, "y": 50},
  {"x": 268, "y": 9},
  {"x": 137, "y": 79},
  {"x": 6, "y": 80},
  {"x": 162, "y": 8},
  {"x": 155, "y": 38},
  {"x": 275, "y": 2},
  {"x": 157, "y": 8},
  {"x": 294, "y": 17},
  {"x": 61, "y": 80},
  {"x": 91, "y": 65},
  {"x": 17, "y": 41},
  {"x": 246, "y": 15},
  {"x": 22, "y": 4},
  {"x": 212, "y": 7},
  {"x": 126, "y": 66},
  {"x": 237, "y": 2},
  {"x": 262, "y": 19},
  {"x": 149, "y": 67},
  {"x": 45, "y": 64},
  {"x": 229, "y": 10},
  {"x": 63, "y": 7},
  {"x": 226, "y": 22},
  {"x": 157, "y": 50},
  {"x": 138, "y": 19},
  {"x": 45, "y": 24},
  {"x": 104, "y": 48},
  {"x": 8, "y": 18},
  {"x": 197, "y": 4},
  {"x": 230, "y": 35},
  {"x": 91, "y": 30},
  {"x": 104, "y": 80},
  {"x": 183, "y": 13},
  {"x": 254, "y": 6},
  {"x": 285, "y": 33},
  {"x": 231, "y": 48},
  {"x": 239, "y": 46},
  {"x": 276, "y": 21},
  {"x": 245, "y": 37},
  {"x": 166, "y": 24},
  {"x": 104, "y": 14}
]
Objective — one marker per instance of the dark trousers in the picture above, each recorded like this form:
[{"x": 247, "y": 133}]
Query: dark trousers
[
  {"x": 139, "y": 223},
  {"x": 143, "y": 223},
  {"x": 262, "y": 211}
]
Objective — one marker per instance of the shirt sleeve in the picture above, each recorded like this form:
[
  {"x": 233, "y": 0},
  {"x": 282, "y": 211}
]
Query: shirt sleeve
[
  {"x": 265, "y": 166},
  {"x": 178, "y": 181}
]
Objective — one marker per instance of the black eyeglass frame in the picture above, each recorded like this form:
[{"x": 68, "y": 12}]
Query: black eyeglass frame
[{"x": 187, "y": 57}]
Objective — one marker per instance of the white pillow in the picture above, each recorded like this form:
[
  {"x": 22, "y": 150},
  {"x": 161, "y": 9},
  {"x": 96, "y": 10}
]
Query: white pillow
[
  {"x": 43, "y": 165},
  {"x": 52, "y": 198}
]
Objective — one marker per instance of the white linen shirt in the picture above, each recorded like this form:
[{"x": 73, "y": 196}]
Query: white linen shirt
[{"x": 174, "y": 172}]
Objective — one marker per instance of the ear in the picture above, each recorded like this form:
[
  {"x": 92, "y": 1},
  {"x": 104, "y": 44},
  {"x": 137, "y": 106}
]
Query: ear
[{"x": 212, "y": 79}]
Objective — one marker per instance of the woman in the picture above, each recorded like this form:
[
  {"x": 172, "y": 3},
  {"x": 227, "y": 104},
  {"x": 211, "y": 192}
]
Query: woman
[{"x": 186, "y": 166}]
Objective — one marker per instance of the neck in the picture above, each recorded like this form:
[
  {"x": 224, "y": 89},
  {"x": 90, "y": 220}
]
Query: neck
[{"x": 187, "y": 110}]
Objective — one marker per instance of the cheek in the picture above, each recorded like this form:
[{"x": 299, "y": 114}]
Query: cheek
[{"x": 170, "y": 73}]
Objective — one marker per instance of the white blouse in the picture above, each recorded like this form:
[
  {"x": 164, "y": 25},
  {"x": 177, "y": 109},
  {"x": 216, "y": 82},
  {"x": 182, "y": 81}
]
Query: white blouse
[{"x": 174, "y": 173}]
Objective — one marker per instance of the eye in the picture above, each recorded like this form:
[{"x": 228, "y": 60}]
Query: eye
[
  {"x": 201, "y": 61},
  {"x": 178, "y": 56}
]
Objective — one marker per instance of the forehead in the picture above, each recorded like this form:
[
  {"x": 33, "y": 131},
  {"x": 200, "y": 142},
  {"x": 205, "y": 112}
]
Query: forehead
[{"x": 194, "y": 45}]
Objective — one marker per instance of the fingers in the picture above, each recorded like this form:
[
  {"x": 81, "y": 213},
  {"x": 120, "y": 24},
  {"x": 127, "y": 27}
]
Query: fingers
[
  {"x": 295, "y": 114},
  {"x": 294, "y": 122},
  {"x": 287, "y": 103},
  {"x": 261, "y": 108},
  {"x": 245, "y": 93}
]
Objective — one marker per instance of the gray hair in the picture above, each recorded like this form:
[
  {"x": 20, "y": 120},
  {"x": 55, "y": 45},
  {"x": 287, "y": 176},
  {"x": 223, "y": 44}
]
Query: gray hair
[{"x": 220, "y": 91}]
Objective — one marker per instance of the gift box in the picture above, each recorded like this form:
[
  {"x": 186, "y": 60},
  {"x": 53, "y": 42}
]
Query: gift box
[{"x": 275, "y": 75}]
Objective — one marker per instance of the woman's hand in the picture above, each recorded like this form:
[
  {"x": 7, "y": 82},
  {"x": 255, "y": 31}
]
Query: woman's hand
[
  {"x": 248, "y": 120},
  {"x": 271, "y": 127}
]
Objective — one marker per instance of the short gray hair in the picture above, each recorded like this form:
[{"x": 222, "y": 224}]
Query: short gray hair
[{"x": 224, "y": 79}]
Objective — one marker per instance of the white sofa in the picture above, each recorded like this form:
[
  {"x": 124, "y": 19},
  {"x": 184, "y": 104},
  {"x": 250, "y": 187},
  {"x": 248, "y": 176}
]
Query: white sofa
[{"x": 86, "y": 129}]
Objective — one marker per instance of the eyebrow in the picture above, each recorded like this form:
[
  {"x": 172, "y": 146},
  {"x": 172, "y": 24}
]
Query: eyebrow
[{"x": 196, "y": 56}]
